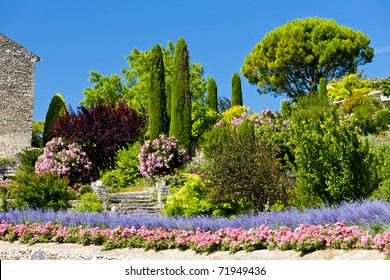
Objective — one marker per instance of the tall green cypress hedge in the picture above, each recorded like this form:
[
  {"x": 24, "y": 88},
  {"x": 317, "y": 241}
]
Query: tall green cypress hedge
[
  {"x": 56, "y": 109},
  {"x": 158, "y": 117},
  {"x": 212, "y": 95},
  {"x": 180, "y": 125},
  {"x": 236, "y": 90}
]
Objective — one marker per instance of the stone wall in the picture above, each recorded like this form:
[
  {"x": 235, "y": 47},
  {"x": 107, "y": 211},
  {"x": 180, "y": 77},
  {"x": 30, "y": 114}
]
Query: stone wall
[{"x": 17, "y": 74}]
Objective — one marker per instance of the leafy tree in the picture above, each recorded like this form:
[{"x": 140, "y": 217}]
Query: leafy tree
[
  {"x": 350, "y": 85},
  {"x": 101, "y": 131},
  {"x": 236, "y": 90},
  {"x": 212, "y": 95},
  {"x": 180, "y": 125},
  {"x": 106, "y": 90},
  {"x": 57, "y": 108},
  {"x": 292, "y": 58},
  {"x": 158, "y": 117}
]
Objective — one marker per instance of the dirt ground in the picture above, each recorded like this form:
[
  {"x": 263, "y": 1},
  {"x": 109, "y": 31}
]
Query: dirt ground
[{"x": 55, "y": 251}]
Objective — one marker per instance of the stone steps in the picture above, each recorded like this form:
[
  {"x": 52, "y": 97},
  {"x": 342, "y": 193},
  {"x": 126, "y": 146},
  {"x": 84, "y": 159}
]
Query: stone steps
[{"x": 133, "y": 202}]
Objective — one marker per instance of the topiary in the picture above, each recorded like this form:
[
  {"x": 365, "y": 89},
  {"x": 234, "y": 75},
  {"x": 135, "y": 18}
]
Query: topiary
[
  {"x": 246, "y": 129},
  {"x": 57, "y": 108}
]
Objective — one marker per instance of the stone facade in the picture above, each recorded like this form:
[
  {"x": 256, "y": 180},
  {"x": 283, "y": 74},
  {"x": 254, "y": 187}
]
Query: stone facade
[{"x": 17, "y": 74}]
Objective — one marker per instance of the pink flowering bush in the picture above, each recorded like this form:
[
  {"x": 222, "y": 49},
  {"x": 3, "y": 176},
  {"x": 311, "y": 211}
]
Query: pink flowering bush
[
  {"x": 160, "y": 156},
  {"x": 304, "y": 239},
  {"x": 64, "y": 160}
]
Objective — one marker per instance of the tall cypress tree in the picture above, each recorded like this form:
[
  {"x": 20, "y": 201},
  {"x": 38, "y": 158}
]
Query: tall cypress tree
[
  {"x": 158, "y": 117},
  {"x": 180, "y": 125},
  {"x": 57, "y": 108},
  {"x": 212, "y": 95},
  {"x": 236, "y": 90}
]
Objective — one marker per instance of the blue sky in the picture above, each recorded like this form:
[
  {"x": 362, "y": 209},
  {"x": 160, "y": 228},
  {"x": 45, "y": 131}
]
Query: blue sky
[{"x": 73, "y": 37}]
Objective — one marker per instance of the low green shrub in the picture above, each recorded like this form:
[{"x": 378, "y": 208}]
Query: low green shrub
[
  {"x": 191, "y": 199},
  {"x": 40, "y": 192},
  {"x": 28, "y": 158},
  {"x": 126, "y": 171},
  {"x": 89, "y": 202}
]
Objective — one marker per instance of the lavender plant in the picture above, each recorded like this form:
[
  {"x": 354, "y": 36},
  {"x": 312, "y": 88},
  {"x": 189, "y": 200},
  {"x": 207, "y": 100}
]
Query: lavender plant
[
  {"x": 363, "y": 213},
  {"x": 160, "y": 156},
  {"x": 64, "y": 160}
]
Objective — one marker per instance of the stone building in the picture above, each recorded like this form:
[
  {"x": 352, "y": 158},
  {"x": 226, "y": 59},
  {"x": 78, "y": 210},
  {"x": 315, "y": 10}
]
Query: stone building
[{"x": 17, "y": 73}]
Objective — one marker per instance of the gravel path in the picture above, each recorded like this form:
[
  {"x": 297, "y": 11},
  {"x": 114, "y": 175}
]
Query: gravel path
[{"x": 55, "y": 251}]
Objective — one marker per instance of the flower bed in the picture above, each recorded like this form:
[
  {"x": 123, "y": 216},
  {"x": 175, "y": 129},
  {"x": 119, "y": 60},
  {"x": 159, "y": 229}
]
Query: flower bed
[{"x": 305, "y": 238}]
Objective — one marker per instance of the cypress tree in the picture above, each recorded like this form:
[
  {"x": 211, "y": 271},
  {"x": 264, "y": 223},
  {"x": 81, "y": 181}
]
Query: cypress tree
[
  {"x": 180, "y": 125},
  {"x": 236, "y": 90},
  {"x": 158, "y": 117},
  {"x": 57, "y": 108},
  {"x": 212, "y": 96}
]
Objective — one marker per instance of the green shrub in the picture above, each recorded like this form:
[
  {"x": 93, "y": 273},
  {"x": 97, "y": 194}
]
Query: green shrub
[
  {"x": 380, "y": 147},
  {"x": 214, "y": 139},
  {"x": 382, "y": 119},
  {"x": 191, "y": 199},
  {"x": 247, "y": 174},
  {"x": 40, "y": 192},
  {"x": 333, "y": 165},
  {"x": 89, "y": 202},
  {"x": 246, "y": 129},
  {"x": 28, "y": 158},
  {"x": 203, "y": 119},
  {"x": 126, "y": 171}
]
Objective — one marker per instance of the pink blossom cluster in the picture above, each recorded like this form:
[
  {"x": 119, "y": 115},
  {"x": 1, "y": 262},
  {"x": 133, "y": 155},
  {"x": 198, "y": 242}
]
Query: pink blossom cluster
[
  {"x": 305, "y": 238},
  {"x": 62, "y": 159},
  {"x": 160, "y": 156}
]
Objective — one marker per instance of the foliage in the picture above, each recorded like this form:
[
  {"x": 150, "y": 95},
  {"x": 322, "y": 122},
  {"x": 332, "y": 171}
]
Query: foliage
[
  {"x": 160, "y": 156},
  {"x": 380, "y": 147},
  {"x": 385, "y": 86},
  {"x": 89, "y": 202},
  {"x": 106, "y": 90},
  {"x": 126, "y": 170},
  {"x": 246, "y": 129},
  {"x": 246, "y": 172},
  {"x": 236, "y": 90},
  {"x": 213, "y": 140},
  {"x": 223, "y": 104},
  {"x": 292, "y": 58},
  {"x": 40, "y": 192},
  {"x": 137, "y": 77},
  {"x": 361, "y": 109},
  {"x": 37, "y": 134},
  {"x": 57, "y": 109},
  {"x": 180, "y": 126},
  {"x": 203, "y": 119},
  {"x": 212, "y": 95},
  {"x": 191, "y": 199},
  {"x": 101, "y": 131},
  {"x": 350, "y": 85},
  {"x": 158, "y": 118},
  {"x": 382, "y": 119},
  {"x": 64, "y": 160},
  {"x": 27, "y": 159},
  {"x": 333, "y": 165},
  {"x": 233, "y": 112}
]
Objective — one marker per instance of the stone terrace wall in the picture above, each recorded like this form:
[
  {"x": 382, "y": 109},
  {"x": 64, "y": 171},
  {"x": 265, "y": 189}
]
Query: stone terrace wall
[{"x": 17, "y": 74}]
